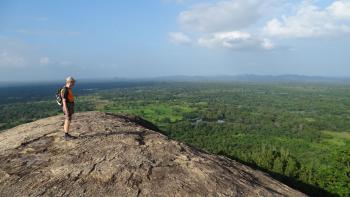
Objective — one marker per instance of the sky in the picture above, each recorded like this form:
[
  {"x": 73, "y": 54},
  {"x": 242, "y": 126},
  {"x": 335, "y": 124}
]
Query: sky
[{"x": 49, "y": 40}]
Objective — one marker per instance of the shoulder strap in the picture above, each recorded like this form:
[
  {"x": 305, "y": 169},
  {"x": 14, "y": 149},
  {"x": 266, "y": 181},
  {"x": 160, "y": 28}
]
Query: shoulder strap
[{"x": 65, "y": 92}]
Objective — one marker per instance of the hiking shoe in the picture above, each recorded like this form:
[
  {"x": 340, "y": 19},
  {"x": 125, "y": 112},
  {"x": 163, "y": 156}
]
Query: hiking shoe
[{"x": 68, "y": 136}]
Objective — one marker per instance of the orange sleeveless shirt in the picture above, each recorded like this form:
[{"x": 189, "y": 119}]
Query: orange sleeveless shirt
[{"x": 70, "y": 97}]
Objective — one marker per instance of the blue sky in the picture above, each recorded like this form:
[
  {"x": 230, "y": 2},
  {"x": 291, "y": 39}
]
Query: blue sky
[{"x": 48, "y": 40}]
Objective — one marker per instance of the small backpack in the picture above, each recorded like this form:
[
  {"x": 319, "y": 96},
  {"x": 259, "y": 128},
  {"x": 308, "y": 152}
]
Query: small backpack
[{"x": 59, "y": 97}]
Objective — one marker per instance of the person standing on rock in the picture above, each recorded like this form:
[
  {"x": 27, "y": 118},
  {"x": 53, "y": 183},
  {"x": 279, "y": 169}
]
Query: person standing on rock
[{"x": 68, "y": 106}]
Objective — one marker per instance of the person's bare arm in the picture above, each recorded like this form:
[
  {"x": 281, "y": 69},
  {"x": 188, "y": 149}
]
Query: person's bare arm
[{"x": 64, "y": 103}]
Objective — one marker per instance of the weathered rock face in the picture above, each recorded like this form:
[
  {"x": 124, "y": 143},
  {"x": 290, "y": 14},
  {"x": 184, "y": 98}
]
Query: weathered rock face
[{"x": 116, "y": 155}]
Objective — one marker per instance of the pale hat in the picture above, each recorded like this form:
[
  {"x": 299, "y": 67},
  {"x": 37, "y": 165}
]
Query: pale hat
[{"x": 69, "y": 79}]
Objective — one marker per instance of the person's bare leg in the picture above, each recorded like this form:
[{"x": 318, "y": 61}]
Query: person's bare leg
[{"x": 66, "y": 125}]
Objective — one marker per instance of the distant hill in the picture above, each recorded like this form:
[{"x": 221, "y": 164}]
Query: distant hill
[
  {"x": 187, "y": 78},
  {"x": 255, "y": 78}
]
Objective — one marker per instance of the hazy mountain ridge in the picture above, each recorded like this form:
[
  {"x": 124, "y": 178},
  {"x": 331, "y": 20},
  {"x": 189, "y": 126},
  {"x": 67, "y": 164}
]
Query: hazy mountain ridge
[
  {"x": 255, "y": 78},
  {"x": 189, "y": 78}
]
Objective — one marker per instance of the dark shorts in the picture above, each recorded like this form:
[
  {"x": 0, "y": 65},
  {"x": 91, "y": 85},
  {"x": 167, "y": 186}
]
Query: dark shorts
[{"x": 70, "y": 107}]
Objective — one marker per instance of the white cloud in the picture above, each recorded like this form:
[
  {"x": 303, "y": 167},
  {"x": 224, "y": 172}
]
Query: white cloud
[
  {"x": 8, "y": 59},
  {"x": 44, "y": 61},
  {"x": 267, "y": 44},
  {"x": 312, "y": 21},
  {"x": 235, "y": 40},
  {"x": 222, "y": 16},
  {"x": 254, "y": 24},
  {"x": 225, "y": 24},
  {"x": 340, "y": 9},
  {"x": 179, "y": 38}
]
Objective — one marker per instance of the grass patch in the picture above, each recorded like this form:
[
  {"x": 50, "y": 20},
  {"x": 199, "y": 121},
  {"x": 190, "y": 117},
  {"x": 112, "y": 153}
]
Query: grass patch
[
  {"x": 341, "y": 135},
  {"x": 156, "y": 112},
  {"x": 336, "y": 138}
]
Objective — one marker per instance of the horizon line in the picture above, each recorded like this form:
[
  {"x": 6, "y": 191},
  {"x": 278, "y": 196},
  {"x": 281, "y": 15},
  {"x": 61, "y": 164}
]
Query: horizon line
[{"x": 163, "y": 77}]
